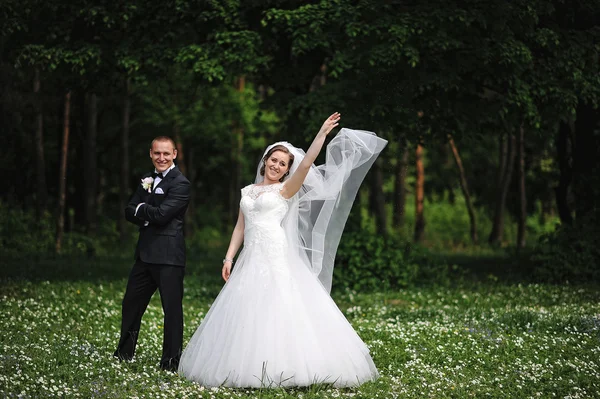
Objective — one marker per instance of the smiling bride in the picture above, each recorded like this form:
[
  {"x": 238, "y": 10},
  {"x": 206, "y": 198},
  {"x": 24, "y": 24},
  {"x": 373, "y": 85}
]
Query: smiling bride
[{"x": 274, "y": 323}]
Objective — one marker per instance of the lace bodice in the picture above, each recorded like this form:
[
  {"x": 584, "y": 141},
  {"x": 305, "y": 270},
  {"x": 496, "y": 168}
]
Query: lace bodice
[{"x": 264, "y": 208}]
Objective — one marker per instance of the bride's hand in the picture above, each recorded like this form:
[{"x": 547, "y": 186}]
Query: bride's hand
[
  {"x": 330, "y": 123},
  {"x": 226, "y": 271}
]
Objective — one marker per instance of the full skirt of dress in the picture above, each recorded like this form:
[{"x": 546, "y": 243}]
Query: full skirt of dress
[{"x": 274, "y": 325}]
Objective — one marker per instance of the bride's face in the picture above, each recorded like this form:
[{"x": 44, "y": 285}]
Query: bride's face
[{"x": 276, "y": 165}]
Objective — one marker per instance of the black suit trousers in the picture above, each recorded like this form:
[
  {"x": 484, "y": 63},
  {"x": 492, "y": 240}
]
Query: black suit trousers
[{"x": 143, "y": 281}]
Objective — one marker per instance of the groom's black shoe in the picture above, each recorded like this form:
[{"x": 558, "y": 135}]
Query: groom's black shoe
[
  {"x": 172, "y": 365},
  {"x": 126, "y": 347},
  {"x": 121, "y": 356}
]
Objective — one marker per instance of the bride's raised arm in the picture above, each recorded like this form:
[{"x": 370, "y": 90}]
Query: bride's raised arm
[{"x": 293, "y": 184}]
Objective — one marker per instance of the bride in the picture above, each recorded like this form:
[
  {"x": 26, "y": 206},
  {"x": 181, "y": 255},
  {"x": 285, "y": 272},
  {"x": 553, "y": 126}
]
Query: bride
[{"x": 274, "y": 324}]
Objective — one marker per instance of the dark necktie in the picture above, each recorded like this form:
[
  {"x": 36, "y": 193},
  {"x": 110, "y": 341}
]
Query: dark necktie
[{"x": 159, "y": 175}]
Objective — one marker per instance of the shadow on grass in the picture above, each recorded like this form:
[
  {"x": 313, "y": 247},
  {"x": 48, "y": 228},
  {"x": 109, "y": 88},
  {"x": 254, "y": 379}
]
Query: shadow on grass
[
  {"x": 105, "y": 268},
  {"x": 500, "y": 265}
]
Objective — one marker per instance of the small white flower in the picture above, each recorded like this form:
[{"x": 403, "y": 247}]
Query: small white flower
[{"x": 147, "y": 183}]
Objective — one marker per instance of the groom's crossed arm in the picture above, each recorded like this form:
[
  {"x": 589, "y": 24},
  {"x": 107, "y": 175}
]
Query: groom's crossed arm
[
  {"x": 176, "y": 200},
  {"x": 138, "y": 197}
]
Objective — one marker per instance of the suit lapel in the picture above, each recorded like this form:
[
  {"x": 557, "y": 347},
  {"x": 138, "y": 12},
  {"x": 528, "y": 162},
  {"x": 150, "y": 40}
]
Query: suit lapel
[{"x": 173, "y": 173}]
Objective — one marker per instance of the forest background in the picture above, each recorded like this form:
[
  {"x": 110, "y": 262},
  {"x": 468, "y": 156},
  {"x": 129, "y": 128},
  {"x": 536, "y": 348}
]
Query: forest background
[{"x": 491, "y": 110}]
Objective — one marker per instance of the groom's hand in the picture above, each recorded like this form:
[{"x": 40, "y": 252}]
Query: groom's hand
[{"x": 140, "y": 196}]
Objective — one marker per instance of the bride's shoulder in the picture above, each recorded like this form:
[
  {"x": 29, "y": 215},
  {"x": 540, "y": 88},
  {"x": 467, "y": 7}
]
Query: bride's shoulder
[{"x": 247, "y": 189}]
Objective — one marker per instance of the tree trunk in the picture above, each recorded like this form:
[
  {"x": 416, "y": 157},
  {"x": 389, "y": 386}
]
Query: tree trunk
[
  {"x": 191, "y": 210},
  {"x": 448, "y": 173},
  {"x": 564, "y": 155},
  {"x": 502, "y": 158},
  {"x": 180, "y": 147},
  {"x": 124, "y": 186},
  {"x": 378, "y": 200},
  {"x": 465, "y": 189},
  {"x": 237, "y": 149},
  {"x": 90, "y": 165},
  {"x": 354, "y": 222},
  {"x": 42, "y": 190},
  {"x": 182, "y": 165},
  {"x": 419, "y": 194},
  {"x": 585, "y": 165},
  {"x": 102, "y": 187},
  {"x": 62, "y": 181},
  {"x": 400, "y": 185},
  {"x": 498, "y": 223},
  {"x": 522, "y": 197},
  {"x": 320, "y": 79}
]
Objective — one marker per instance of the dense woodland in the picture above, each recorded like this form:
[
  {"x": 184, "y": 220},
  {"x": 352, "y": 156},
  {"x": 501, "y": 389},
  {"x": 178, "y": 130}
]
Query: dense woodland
[{"x": 491, "y": 110}]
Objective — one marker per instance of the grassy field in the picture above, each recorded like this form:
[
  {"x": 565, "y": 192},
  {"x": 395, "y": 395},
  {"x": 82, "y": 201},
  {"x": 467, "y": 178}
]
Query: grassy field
[{"x": 59, "y": 323}]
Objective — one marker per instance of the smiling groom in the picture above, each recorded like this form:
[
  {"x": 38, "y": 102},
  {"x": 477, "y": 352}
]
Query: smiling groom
[{"x": 157, "y": 207}]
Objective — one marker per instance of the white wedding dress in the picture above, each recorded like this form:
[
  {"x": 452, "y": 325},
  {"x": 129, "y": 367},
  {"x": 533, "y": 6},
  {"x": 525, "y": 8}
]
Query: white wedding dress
[{"x": 273, "y": 323}]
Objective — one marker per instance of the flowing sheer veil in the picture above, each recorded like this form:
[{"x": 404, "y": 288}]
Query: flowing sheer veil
[{"x": 318, "y": 212}]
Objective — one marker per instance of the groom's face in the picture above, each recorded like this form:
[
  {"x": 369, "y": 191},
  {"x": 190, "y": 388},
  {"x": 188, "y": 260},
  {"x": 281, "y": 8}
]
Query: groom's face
[{"x": 162, "y": 154}]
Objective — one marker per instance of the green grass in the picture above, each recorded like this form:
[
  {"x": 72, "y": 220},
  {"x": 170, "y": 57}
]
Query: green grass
[{"x": 59, "y": 323}]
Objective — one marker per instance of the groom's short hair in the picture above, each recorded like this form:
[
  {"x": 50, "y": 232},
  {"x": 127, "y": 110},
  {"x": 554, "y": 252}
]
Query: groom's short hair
[{"x": 163, "y": 138}]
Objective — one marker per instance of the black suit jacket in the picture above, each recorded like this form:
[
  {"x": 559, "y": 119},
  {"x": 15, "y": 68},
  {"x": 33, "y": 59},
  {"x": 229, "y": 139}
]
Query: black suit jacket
[{"x": 162, "y": 241}]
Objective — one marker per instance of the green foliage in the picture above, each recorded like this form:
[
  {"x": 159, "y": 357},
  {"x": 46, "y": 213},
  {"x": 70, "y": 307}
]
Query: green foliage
[
  {"x": 22, "y": 234},
  {"x": 447, "y": 223},
  {"x": 368, "y": 262},
  {"x": 416, "y": 71},
  {"x": 569, "y": 254}
]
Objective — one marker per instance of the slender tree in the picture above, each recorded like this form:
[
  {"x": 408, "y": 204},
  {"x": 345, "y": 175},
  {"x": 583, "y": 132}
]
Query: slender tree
[
  {"x": 400, "y": 185},
  {"x": 237, "y": 150},
  {"x": 419, "y": 194},
  {"x": 124, "y": 181},
  {"x": 42, "y": 190},
  {"x": 90, "y": 164},
  {"x": 502, "y": 192},
  {"x": 377, "y": 199},
  {"x": 564, "y": 156},
  {"x": 62, "y": 181},
  {"x": 465, "y": 189},
  {"x": 522, "y": 216}
]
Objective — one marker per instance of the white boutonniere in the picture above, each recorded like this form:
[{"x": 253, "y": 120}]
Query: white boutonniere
[{"x": 147, "y": 183}]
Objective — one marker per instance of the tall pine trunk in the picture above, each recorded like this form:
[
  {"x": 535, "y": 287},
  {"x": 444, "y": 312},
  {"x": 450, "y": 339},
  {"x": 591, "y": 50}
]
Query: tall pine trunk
[
  {"x": 124, "y": 182},
  {"x": 502, "y": 191},
  {"x": 585, "y": 165},
  {"x": 42, "y": 190},
  {"x": 190, "y": 214},
  {"x": 400, "y": 185},
  {"x": 181, "y": 157},
  {"x": 378, "y": 200},
  {"x": 419, "y": 194},
  {"x": 237, "y": 148},
  {"x": 522, "y": 195},
  {"x": 62, "y": 181},
  {"x": 502, "y": 158},
  {"x": 320, "y": 78},
  {"x": 90, "y": 164},
  {"x": 564, "y": 155},
  {"x": 465, "y": 189},
  {"x": 448, "y": 170},
  {"x": 182, "y": 164}
]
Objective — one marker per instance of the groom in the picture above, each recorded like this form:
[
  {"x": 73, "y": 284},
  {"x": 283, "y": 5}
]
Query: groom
[{"x": 157, "y": 206}]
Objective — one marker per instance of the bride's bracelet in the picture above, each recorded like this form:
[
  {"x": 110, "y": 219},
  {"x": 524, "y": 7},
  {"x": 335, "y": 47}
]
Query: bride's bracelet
[{"x": 227, "y": 260}]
